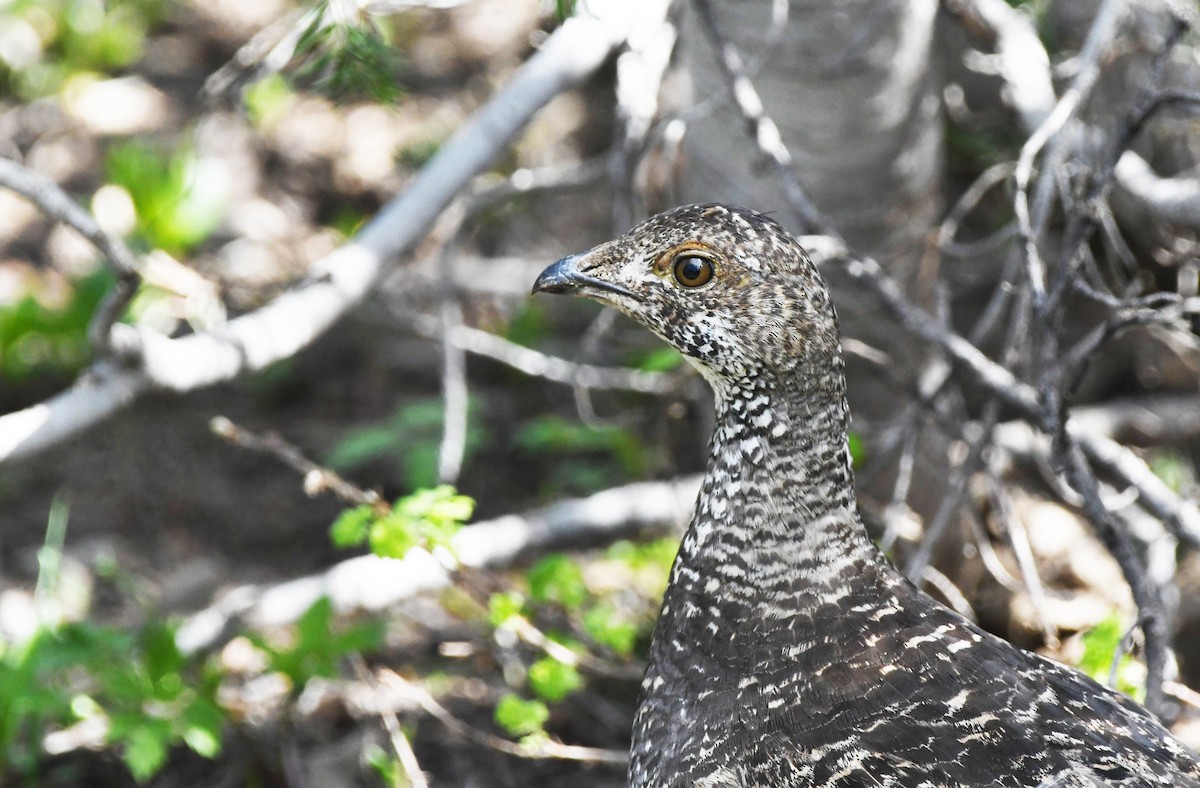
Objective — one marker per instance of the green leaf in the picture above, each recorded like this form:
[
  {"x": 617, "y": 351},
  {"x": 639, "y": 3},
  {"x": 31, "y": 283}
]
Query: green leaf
[
  {"x": 362, "y": 446},
  {"x": 609, "y": 627},
  {"x": 428, "y": 518},
  {"x": 1100, "y": 646},
  {"x": 202, "y": 723},
  {"x": 1174, "y": 469},
  {"x": 858, "y": 449},
  {"x": 521, "y": 717},
  {"x": 266, "y": 100},
  {"x": 410, "y": 438},
  {"x": 552, "y": 680},
  {"x": 348, "y": 60},
  {"x": 145, "y": 748},
  {"x": 563, "y": 8},
  {"x": 555, "y": 435},
  {"x": 557, "y": 578},
  {"x": 314, "y": 625},
  {"x": 386, "y": 766},
  {"x": 351, "y": 527},
  {"x": 163, "y": 659},
  {"x": 180, "y": 198},
  {"x": 529, "y": 325},
  {"x": 663, "y": 359},
  {"x": 504, "y": 606}
]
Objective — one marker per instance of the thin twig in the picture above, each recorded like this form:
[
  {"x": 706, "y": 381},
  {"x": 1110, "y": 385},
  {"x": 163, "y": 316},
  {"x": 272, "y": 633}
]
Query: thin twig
[
  {"x": 1018, "y": 539},
  {"x": 538, "y": 749},
  {"x": 950, "y": 592},
  {"x": 535, "y": 637},
  {"x": 560, "y": 370},
  {"x": 400, "y": 744},
  {"x": 370, "y": 583},
  {"x": 762, "y": 129},
  {"x": 996, "y": 174},
  {"x": 641, "y": 69},
  {"x": 453, "y": 445},
  {"x": 1100, "y": 34},
  {"x": 317, "y": 478},
  {"x": 49, "y": 197}
]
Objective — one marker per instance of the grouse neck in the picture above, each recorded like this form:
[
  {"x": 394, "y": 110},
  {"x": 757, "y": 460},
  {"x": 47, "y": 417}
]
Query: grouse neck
[{"x": 776, "y": 516}]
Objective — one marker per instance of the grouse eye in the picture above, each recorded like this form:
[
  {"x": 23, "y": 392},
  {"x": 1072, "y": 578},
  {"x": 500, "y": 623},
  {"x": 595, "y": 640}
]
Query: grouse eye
[{"x": 692, "y": 270}]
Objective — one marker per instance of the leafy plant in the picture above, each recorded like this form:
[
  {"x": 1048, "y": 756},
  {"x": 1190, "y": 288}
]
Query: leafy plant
[
  {"x": 564, "y": 8},
  {"x": 1174, "y": 469},
  {"x": 553, "y": 680},
  {"x": 660, "y": 359},
  {"x": 137, "y": 681},
  {"x": 858, "y": 449},
  {"x": 319, "y": 645},
  {"x": 1100, "y": 647},
  {"x": 410, "y": 438},
  {"x": 180, "y": 198},
  {"x": 596, "y": 454},
  {"x": 61, "y": 38},
  {"x": 427, "y": 518},
  {"x": 504, "y": 606},
  {"x": 266, "y": 100},
  {"x": 386, "y": 766},
  {"x": 519, "y": 717},
  {"x": 557, "y": 578},
  {"x": 529, "y": 324},
  {"x": 609, "y": 626},
  {"x": 348, "y": 58},
  {"x": 36, "y": 339}
]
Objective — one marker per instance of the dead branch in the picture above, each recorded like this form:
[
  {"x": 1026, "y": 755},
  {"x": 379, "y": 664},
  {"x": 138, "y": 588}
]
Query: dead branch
[
  {"x": 640, "y": 73},
  {"x": 58, "y": 205},
  {"x": 559, "y": 370},
  {"x": 1025, "y": 68},
  {"x": 370, "y": 583},
  {"x": 538, "y": 749},
  {"x": 400, "y": 744},
  {"x": 317, "y": 478},
  {"x": 342, "y": 279}
]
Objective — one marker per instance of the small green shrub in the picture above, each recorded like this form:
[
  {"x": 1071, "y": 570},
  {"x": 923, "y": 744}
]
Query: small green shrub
[
  {"x": 521, "y": 717},
  {"x": 180, "y": 198},
  {"x": 348, "y": 60},
  {"x": 152, "y": 697},
  {"x": 427, "y": 518},
  {"x": 37, "y": 340},
  {"x": 410, "y": 438},
  {"x": 319, "y": 645}
]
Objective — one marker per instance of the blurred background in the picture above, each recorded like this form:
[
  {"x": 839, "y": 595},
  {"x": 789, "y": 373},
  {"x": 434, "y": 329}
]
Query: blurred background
[{"x": 190, "y": 596}]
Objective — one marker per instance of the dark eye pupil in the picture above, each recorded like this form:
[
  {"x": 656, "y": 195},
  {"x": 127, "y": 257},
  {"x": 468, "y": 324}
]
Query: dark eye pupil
[{"x": 693, "y": 270}]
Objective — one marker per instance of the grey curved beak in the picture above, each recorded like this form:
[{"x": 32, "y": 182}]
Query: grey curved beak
[{"x": 565, "y": 277}]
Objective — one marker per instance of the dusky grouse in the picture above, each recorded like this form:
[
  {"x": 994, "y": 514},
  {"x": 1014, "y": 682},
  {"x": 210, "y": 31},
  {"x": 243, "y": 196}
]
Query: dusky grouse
[{"x": 789, "y": 651}]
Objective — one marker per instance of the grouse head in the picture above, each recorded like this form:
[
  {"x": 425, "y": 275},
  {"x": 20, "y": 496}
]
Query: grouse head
[{"x": 729, "y": 288}]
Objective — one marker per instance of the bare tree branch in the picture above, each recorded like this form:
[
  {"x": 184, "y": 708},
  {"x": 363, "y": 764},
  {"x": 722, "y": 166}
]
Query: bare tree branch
[
  {"x": 560, "y": 370},
  {"x": 317, "y": 478},
  {"x": 540, "y": 749},
  {"x": 1025, "y": 68},
  {"x": 370, "y": 583},
  {"x": 58, "y": 205},
  {"x": 342, "y": 279}
]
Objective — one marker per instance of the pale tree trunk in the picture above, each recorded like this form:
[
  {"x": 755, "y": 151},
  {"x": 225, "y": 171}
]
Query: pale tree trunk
[
  {"x": 851, "y": 87},
  {"x": 853, "y": 90}
]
